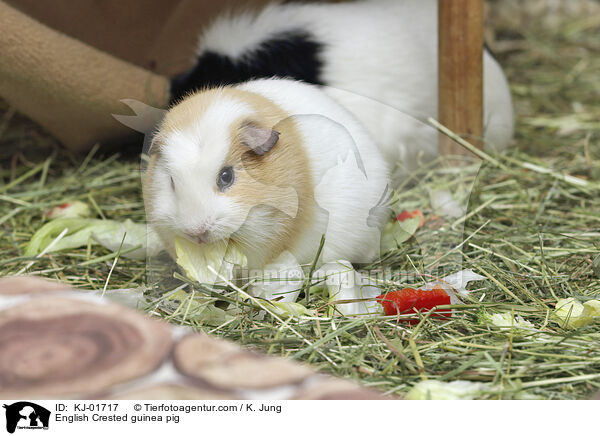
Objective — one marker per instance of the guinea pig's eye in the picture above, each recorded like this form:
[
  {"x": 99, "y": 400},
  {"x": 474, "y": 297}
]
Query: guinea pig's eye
[
  {"x": 172, "y": 183},
  {"x": 225, "y": 178}
]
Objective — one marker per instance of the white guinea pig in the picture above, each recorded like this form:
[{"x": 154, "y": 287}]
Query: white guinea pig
[
  {"x": 269, "y": 165},
  {"x": 377, "y": 58}
]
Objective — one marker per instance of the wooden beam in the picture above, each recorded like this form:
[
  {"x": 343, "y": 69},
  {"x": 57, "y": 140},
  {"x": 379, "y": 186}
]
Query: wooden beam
[{"x": 460, "y": 83}]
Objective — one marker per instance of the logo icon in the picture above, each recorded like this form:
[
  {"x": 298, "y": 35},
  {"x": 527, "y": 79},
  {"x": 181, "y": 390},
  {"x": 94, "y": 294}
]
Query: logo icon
[{"x": 26, "y": 415}]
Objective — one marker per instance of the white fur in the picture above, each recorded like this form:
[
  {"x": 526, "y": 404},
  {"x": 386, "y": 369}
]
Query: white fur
[
  {"x": 192, "y": 157},
  {"x": 380, "y": 63},
  {"x": 334, "y": 142},
  {"x": 343, "y": 193}
]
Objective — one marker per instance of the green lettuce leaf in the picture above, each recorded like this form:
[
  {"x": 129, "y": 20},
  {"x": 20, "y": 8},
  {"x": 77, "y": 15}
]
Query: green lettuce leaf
[
  {"x": 107, "y": 233},
  {"x": 288, "y": 309},
  {"x": 196, "y": 258},
  {"x": 396, "y": 233},
  {"x": 571, "y": 313}
]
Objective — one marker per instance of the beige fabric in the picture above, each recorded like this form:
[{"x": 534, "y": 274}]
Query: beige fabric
[{"x": 66, "y": 86}]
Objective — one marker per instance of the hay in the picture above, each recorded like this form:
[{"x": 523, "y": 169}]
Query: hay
[{"x": 533, "y": 228}]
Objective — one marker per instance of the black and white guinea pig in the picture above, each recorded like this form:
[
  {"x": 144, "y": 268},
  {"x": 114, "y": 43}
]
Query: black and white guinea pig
[
  {"x": 270, "y": 165},
  {"x": 376, "y": 58}
]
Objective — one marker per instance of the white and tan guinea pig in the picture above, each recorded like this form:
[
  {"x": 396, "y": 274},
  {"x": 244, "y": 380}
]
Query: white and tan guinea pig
[{"x": 271, "y": 165}]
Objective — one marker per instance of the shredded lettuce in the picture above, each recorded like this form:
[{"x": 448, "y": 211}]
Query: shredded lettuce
[
  {"x": 506, "y": 322},
  {"x": 571, "y": 313},
  {"x": 79, "y": 231},
  {"x": 396, "y": 233},
  {"x": 71, "y": 209},
  {"x": 345, "y": 284},
  {"x": 592, "y": 307},
  {"x": 107, "y": 233},
  {"x": 437, "y": 390},
  {"x": 287, "y": 309},
  {"x": 444, "y": 204},
  {"x": 199, "y": 308},
  {"x": 195, "y": 259}
]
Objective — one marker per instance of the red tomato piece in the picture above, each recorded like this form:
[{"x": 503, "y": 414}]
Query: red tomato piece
[
  {"x": 408, "y": 214},
  {"x": 409, "y": 300}
]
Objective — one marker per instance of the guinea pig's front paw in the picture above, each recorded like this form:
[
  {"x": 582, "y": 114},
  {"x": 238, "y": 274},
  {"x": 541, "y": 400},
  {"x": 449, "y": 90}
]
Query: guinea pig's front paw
[
  {"x": 345, "y": 285},
  {"x": 281, "y": 280}
]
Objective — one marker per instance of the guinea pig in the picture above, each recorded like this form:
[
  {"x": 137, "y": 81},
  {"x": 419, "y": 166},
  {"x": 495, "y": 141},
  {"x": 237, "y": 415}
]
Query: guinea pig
[
  {"x": 271, "y": 166},
  {"x": 376, "y": 58}
]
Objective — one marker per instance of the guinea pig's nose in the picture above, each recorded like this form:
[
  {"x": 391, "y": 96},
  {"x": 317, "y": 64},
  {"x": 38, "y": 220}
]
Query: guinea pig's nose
[{"x": 202, "y": 237}]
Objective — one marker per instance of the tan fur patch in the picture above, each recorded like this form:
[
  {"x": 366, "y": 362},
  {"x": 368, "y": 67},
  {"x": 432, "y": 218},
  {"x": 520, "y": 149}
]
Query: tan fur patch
[{"x": 264, "y": 179}]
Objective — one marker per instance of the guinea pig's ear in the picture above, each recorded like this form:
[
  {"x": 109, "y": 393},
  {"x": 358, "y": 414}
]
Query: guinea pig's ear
[{"x": 258, "y": 139}]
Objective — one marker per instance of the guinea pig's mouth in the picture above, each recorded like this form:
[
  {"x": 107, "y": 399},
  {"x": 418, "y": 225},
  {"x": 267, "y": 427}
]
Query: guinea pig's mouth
[
  {"x": 198, "y": 238},
  {"x": 207, "y": 239},
  {"x": 201, "y": 237}
]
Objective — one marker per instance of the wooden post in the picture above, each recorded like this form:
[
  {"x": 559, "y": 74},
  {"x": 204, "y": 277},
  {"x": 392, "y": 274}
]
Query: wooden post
[{"x": 460, "y": 83}]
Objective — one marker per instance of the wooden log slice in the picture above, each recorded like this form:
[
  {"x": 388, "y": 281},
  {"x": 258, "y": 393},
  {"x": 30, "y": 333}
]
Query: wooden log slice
[
  {"x": 29, "y": 285},
  {"x": 171, "y": 392},
  {"x": 56, "y": 346},
  {"x": 226, "y": 366}
]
